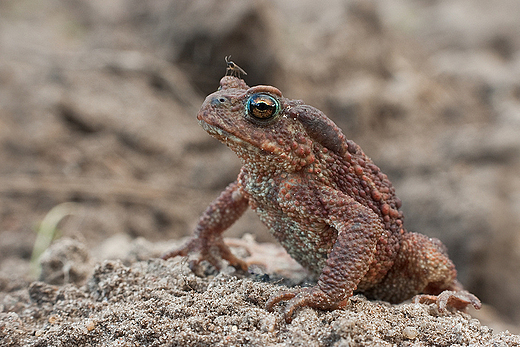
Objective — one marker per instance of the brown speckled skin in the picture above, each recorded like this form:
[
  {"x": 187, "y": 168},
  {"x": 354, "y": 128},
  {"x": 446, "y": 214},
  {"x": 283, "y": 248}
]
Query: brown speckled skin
[{"x": 325, "y": 201}]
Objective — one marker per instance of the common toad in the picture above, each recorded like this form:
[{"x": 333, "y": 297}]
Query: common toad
[{"x": 323, "y": 199}]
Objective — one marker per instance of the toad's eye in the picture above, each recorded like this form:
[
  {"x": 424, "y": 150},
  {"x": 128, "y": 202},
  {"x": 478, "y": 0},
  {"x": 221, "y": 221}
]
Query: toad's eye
[{"x": 262, "y": 106}]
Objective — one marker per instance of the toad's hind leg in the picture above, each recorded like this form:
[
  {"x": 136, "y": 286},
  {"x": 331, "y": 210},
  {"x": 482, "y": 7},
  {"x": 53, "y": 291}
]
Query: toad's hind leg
[{"x": 423, "y": 267}]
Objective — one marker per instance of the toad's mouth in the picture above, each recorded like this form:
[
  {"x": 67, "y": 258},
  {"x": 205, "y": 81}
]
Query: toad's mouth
[
  {"x": 224, "y": 136},
  {"x": 246, "y": 148}
]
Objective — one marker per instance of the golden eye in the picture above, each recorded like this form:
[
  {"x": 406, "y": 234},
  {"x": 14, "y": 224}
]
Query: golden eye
[{"x": 262, "y": 106}]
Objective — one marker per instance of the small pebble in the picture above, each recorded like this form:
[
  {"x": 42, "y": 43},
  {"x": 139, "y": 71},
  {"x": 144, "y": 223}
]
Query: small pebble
[
  {"x": 90, "y": 325},
  {"x": 410, "y": 333}
]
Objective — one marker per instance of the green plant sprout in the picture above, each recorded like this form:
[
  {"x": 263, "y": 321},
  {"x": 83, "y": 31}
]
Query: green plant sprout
[{"x": 47, "y": 232}]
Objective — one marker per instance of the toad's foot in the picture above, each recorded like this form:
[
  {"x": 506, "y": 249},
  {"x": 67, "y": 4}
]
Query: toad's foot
[
  {"x": 458, "y": 300},
  {"x": 312, "y": 297},
  {"x": 213, "y": 252}
]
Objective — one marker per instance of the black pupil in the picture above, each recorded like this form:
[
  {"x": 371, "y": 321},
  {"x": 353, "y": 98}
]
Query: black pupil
[{"x": 262, "y": 106}]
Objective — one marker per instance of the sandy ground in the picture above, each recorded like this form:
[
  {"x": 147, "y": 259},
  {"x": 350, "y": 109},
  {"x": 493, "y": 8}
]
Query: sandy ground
[{"x": 163, "y": 303}]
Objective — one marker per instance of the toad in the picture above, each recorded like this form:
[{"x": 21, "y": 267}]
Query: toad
[{"x": 323, "y": 199}]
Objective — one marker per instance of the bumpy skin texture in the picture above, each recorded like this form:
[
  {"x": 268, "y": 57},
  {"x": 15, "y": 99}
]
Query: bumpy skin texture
[{"x": 325, "y": 201}]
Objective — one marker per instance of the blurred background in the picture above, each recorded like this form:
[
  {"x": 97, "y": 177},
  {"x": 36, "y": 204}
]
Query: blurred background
[{"x": 98, "y": 102}]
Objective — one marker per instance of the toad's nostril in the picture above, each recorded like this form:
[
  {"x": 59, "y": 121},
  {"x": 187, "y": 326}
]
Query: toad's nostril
[{"x": 217, "y": 101}]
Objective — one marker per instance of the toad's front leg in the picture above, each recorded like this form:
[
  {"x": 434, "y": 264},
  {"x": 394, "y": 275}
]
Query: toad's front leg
[
  {"x": 207, "y": 241},
  {"x": 348, "y": 262}
]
